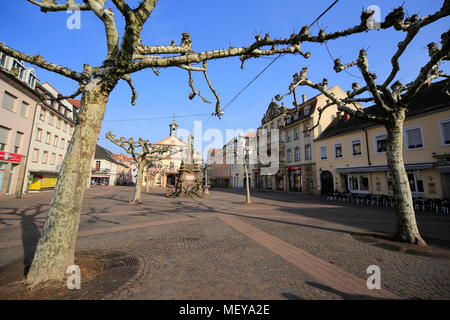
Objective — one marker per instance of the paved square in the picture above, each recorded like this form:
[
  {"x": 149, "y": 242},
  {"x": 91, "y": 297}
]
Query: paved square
[{"x": 283, "y": 246}]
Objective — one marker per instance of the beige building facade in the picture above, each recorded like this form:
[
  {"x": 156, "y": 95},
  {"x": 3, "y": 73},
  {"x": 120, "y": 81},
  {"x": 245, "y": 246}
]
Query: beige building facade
[
  {"x": 54, "y": 124},
  {"x": 18, "y": 103},
  {"x": 351, "y": 153}
]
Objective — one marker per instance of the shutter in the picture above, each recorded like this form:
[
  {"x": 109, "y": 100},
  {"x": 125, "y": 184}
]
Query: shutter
[
  {"x": 8, "y": 101},
  {"x": 18, "y": 139},
  {"x": 4, "y": 135}
]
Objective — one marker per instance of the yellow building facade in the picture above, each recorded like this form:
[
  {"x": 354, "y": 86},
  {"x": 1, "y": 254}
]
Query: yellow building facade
[{"x": 351, "y": 153}]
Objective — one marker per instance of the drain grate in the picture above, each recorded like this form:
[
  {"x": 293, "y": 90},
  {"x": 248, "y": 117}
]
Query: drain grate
[{"x": 120, "y": 268}]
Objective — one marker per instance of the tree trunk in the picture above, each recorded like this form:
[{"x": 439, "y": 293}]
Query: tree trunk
[
  {"x": 247, "y": 184},
  {"x": 138, "y": 187},
  {"x": 407, "y": 230},
  {"x": 56, "y": 247}
]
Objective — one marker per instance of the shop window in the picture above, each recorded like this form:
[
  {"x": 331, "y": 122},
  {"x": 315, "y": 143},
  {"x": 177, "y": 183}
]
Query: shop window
[{"x": 358, "y": 183}]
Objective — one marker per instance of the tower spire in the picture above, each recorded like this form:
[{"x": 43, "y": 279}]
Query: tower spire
[{"x": 173, "y": 127}]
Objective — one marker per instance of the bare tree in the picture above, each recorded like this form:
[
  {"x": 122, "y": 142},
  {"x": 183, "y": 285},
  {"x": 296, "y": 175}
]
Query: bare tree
[
  {"x": 391, "y": 104},
  {"x": 125, "y": 55},
  {"x": 143, "y": 153}
]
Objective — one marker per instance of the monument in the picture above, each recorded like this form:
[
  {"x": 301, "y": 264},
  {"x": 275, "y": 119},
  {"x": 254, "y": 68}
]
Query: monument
[{"x": 189, "y": 182}]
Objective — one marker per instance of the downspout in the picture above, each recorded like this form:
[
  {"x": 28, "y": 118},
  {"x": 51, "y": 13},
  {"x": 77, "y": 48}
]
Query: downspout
[
  {"x": 23, "y": 187},
  {"x": 367, "y": 147}
]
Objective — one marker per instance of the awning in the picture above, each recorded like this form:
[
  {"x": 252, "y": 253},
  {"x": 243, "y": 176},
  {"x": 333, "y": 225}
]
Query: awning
[
  {"x": 444, "y": 169},
  {"x": 408, "y": 166}
]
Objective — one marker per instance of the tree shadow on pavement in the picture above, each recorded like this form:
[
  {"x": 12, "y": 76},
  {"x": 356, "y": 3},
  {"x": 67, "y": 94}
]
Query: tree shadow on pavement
[{"x": 342, "y": 294}]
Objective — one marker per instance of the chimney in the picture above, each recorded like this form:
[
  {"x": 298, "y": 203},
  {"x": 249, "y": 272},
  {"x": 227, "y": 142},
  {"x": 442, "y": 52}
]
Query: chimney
[{"x": 304, "y": 98}]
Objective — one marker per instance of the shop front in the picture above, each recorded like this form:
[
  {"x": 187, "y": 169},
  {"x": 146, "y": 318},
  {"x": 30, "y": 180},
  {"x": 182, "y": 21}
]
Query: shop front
[
  {"x": 10, "y": 176},
  {"x": 42, "y": 180},
  {"x": 294, "y": 175}
]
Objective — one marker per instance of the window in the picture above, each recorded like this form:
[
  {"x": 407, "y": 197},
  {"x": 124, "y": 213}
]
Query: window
[
  {"x": 35, "y": 155},
  {"x": 71, "y": 129},
  {"x": 358, "y": 183},
  {"x": 308, "y": 152},
  {"x": 323, "y": 153},
  {"x": 55, "y": 141},
  {"x": 338, "y": 150},
  {"x": 42, "y": 114},
  {"x": 297, "y": 134},
  {"x": 380, "y": 143},
  {"x": 97, "y": 165},
  {"x": 297, "y": 154},
  {"x": 18, "y": 141},
  {"x": 4, "y": 134},
  {"x": 288, "y": 136},
  {"x": 63, "y": 143},
  {"x": 52, "y": 159},
  {"x": 48, "y": 138},
  {"x": 24, "y": 109},
  {"x": 60, "y": 160},
  {"x": 289, "y": 155},
  {"x": 415, "y": 182},
  {"x": 172, "y": 165},
  {"x": 307, "y": 111},
  {"x": 39, "y": 135},
  {"x": 356, "y": 148},
  {"x": 8, "y": 101},
  {"x": 445, "y": 131},
  {"x": 51, "y": 119},
  {"x": 306, "y": 130},
  {"x": 45, "y": 157},
  {"x": 413, "y": 138},
  {"x": 65, "y": 126},
  {"x": 58, "y": 123}
]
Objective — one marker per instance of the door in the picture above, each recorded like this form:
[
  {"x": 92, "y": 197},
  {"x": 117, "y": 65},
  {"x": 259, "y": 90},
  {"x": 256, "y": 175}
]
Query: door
[{"x": 326, "y": 182}]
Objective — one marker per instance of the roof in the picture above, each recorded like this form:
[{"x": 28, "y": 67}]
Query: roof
[
  {"x": 75, "y": 102},
  {"x": 20, "y": 83},
  {"x": 102, "y": 153},
  {"x": 430, "y": 97},
  {"x": 121, "y": 158},
  {"x": 171, "y": 140}
]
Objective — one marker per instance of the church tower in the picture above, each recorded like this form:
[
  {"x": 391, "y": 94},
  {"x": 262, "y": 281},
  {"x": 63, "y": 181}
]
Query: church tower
[{"x": 173, "y": 127}]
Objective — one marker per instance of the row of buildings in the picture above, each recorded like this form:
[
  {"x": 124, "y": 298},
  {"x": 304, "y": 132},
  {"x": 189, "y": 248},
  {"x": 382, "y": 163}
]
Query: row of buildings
[
  {"x": 343, "y": 153},
  {"x": 35, "y": 133}
]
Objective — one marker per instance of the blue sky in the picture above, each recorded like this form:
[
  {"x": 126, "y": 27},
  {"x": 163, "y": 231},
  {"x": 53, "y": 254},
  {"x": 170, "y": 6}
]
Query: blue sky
[{"x": 215, "y": 25}]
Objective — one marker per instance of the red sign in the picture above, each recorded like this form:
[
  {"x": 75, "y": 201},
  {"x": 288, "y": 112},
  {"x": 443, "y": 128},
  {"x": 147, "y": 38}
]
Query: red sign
[
  {"x": 7, "y": 156},
  {"x": 294, "y": 168}
]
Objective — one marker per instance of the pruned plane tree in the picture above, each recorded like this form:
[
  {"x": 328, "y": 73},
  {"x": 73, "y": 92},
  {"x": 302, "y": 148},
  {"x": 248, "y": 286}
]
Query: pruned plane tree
[
  {"x": 391, "y": 99},
  {"x": 144, "y": 154},
  {"x": 125, "y": 55}
]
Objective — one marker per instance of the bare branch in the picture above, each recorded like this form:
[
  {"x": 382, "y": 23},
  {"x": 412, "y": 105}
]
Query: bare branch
[
  {"x": 430, "y": 70},
  {"x": 194, "y": 92},
  {"x": 52, "y": 6},
  {"x": 218, "y": 111},
  {"x": 134, "y": 94},
  {"x": 107, "y": 16},
  {"x": 37, "y": 60}
]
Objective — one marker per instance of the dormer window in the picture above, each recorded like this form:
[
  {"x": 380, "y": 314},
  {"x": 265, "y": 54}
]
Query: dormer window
[
  {"x": 307, "y": 111},
  {"x": 296, "y": 116}
]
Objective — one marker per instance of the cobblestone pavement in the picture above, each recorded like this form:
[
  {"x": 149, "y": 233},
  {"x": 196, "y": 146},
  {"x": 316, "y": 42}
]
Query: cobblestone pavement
[{"x": 283, "y": 246}]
